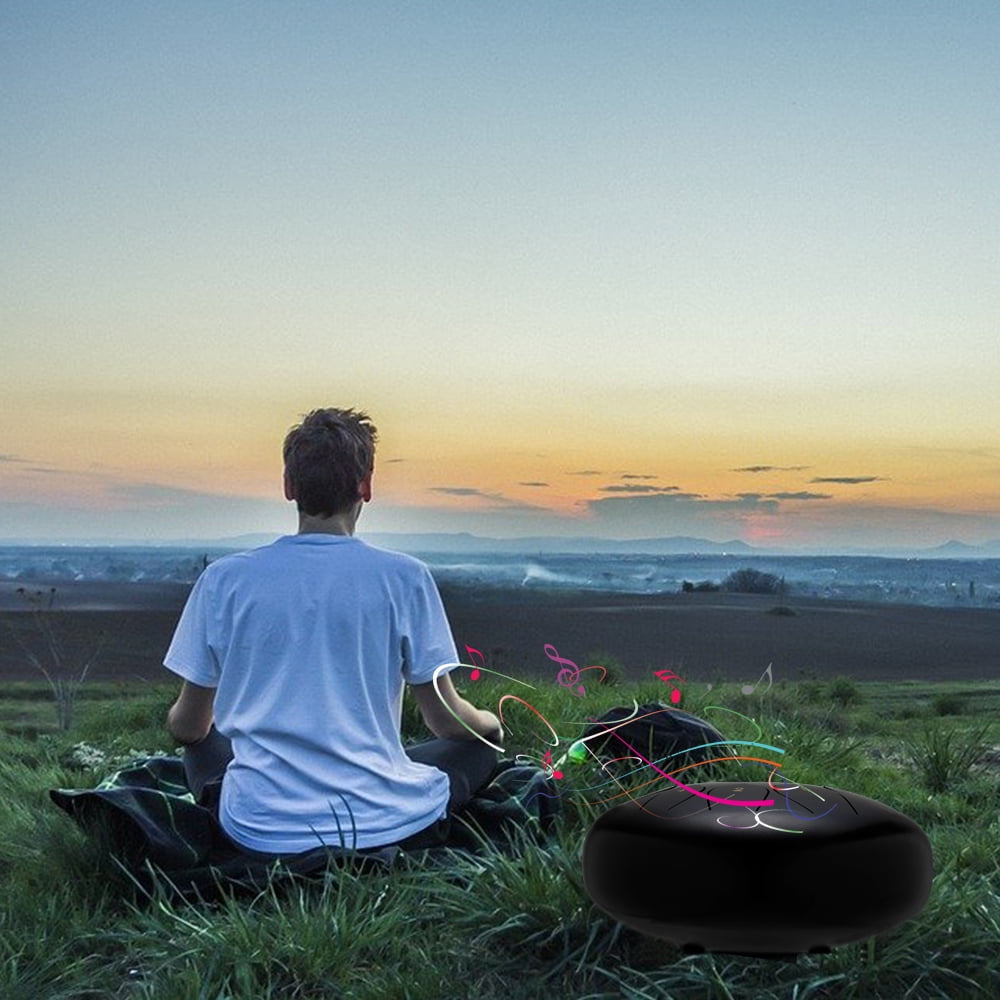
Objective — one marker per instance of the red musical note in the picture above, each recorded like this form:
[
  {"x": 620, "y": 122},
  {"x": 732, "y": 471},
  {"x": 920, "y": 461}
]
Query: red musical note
[
  {"x": 667, "y": 676},
  {"x": 547, "y": 761},
  {"x": 482, "y": 660},
  {"x": 568, "y": 676}
]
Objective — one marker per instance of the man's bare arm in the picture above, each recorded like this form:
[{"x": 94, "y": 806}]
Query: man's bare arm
[
  {"x": 190, "y": 717},
  {"x": 442, "y": 722}
]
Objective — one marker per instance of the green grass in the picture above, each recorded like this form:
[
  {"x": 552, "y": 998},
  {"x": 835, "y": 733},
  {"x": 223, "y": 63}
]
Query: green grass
[{"x": 517, "y": 926}]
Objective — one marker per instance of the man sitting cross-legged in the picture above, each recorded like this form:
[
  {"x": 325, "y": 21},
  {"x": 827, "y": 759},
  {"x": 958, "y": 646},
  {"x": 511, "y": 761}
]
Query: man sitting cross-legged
[{"x": 299, "y": 651}]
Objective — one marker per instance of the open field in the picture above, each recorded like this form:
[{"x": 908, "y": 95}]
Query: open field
[
  {"x": 27, "y": 707},
  {"x": 901, "y": 704},
  {"x": 702, "y": 636},
  {"x": 503, "y": 926}
]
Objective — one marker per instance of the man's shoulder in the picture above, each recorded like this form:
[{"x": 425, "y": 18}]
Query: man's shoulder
[
  {"x": 235, "y": 563},
  {"x": 390, "y": 559},
  {"x": 292, "y": 548},
  {"x": 285, "y": 554},
  {"x": 231, "y": 559}
]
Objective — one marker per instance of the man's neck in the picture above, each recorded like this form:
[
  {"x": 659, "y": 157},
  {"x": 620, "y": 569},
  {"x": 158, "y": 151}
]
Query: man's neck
[{"x": 336, "y": 524}]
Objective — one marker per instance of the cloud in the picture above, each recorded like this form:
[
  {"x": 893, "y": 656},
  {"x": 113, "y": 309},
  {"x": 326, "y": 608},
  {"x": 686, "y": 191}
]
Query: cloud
[
  {"x": 629, "y": 488},
  {"x": 391, "y": 461},
  {"x": 28, "y": 465},
  {"x": 497, "y": 500},
  {"x": 532, "y": 484},
  {"x": 771, "y": 468},
  {"x": 630, "y": 475},
  {"x": 849, "y": 480},
  {"x": 664, "y": 514},
  {"x": 586, "y": 472},
  {"x": 801, "y": 495},
  {"x": 826, "y": 527},
  {"x": 91, "y": 507},
  {"x": 457, "y": 491}
]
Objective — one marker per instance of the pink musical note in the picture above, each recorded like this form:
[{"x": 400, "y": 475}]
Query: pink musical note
[
  {"x": 568, "y": 676},
  {"x": 749, "y": 689}
]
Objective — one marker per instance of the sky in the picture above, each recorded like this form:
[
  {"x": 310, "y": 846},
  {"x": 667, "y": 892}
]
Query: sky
[{"x": 627, "y": 270}]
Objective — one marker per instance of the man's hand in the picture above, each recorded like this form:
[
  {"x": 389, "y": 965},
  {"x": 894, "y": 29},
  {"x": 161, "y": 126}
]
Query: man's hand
[
  {"x": 442, "y": 712},
  {"x": 495, "y": 731}
]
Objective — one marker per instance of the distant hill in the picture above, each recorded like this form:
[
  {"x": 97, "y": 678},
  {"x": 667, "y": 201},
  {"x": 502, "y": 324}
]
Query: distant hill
[
  {"x": 960, "y": 550},
  {"x": 464, "y": 543},
  {"x": 458, "y": 543},
  {"x": 467, "y": 543}
]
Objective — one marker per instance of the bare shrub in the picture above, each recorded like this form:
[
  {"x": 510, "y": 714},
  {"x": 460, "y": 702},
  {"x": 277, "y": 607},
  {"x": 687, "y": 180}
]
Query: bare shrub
[
  {"x": 753, "y": 581},
  {"x": 51, "y": 659}
]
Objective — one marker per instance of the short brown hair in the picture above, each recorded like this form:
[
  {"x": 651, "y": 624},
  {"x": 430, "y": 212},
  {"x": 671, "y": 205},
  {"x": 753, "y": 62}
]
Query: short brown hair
[{"x": 327, "y": 456}]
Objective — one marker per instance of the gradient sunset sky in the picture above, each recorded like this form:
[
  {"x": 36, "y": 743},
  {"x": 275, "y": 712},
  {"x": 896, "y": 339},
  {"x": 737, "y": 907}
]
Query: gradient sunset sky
[{"x": 729, "y": 270}]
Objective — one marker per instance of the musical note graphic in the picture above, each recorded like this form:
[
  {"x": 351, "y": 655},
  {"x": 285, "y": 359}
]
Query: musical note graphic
[
  {"x": 668, "y": 676},
  {"x": 575, "y": 752},
  {"x": 547, "y": 761},
  {"x": 570, "y": 674},
  {"x": 474, "y": 676},
  {"x": 749, "y": 689}
]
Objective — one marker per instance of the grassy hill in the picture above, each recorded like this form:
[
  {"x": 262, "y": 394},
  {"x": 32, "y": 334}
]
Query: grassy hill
[{"x": 500, "y": 926}]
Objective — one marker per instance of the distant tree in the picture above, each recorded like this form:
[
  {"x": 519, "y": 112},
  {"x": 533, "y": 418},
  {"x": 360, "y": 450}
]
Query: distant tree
[{"x": 753, "y": 581}]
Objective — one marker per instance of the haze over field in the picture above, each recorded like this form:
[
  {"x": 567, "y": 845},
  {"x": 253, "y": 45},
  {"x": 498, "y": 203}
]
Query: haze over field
[{"x": 625, "y": 270}]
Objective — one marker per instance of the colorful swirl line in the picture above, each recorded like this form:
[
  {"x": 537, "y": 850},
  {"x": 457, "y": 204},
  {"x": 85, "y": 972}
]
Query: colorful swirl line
[{"x": 680, "y": 784}]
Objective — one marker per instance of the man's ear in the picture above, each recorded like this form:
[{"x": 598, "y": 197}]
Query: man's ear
[
  {"x": 289, "y": 489},
  {"x": 365, "y": 488}
]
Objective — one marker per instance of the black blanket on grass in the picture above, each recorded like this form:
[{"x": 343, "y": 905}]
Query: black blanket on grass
[{"x": 161, "y": 835}]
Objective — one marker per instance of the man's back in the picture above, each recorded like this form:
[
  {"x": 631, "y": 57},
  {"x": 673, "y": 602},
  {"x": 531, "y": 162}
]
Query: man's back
[{"x": 309, "y": 642}]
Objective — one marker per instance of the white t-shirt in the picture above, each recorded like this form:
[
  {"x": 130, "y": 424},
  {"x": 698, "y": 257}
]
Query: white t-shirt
[{"x": 308, "y": 642}]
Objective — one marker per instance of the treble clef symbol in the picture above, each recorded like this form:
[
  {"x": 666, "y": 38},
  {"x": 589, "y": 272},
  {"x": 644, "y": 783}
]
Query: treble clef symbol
[{"x": 570, "y": 674}]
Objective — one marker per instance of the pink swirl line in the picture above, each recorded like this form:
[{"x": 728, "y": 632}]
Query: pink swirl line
[{"x": 680, "y": 784}]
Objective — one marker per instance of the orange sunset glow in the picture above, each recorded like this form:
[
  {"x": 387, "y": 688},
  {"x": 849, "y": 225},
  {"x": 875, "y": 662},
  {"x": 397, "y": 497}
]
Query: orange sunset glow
[{"x": 625, "y": 275}]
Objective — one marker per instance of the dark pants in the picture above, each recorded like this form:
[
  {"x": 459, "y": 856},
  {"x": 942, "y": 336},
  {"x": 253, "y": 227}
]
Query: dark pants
[{"x": 469, "y": 765}]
